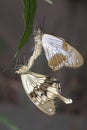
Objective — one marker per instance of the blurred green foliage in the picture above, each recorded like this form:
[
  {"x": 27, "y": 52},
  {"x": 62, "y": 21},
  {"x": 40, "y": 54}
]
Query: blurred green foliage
[
  {"x": 8, "y": 123},
  {"x": 29, "y": 13}
]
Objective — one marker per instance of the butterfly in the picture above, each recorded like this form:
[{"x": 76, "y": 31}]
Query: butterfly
[
  {"x": 42, "y": 90},
  {"x": 58, "y": 52}
]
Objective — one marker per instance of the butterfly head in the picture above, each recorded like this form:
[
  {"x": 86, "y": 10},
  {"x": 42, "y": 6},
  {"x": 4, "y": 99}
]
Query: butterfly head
[
  {"x": 38, "y": 34},
  {"x": 22, "y": 70},
  {"x": 37, "y": 31}
]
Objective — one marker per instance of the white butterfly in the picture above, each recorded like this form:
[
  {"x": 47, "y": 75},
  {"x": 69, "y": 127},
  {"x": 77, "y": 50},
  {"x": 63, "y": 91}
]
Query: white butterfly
[
  {"x": 57, "y": 51},
  {"x": 42, "y": 90}
]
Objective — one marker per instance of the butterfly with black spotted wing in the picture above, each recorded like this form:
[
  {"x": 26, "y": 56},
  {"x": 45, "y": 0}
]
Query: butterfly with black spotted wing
[
  {"x": 42, "y": 90},
  {"x": 58, "y": 52}
]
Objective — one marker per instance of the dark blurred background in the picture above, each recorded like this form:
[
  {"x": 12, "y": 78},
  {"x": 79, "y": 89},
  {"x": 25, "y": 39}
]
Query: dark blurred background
[{"x": 67, "y": 19}]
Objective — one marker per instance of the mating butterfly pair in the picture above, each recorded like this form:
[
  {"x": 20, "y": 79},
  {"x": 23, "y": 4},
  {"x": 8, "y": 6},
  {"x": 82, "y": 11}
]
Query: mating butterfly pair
[{"x": 41, "y": 89}]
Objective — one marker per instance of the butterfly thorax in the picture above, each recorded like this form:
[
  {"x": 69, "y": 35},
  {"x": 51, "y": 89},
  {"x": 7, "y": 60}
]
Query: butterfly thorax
[{"x": 38, "y": 35}]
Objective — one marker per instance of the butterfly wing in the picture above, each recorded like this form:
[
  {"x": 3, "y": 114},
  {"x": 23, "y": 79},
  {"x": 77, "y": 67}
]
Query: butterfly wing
[
  {"x": 42, "y": 91},
  {"x": 59, "y": 53},
  {"x": 36, "y": 86}
]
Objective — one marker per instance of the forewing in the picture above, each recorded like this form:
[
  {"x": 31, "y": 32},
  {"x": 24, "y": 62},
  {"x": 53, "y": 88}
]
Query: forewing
[{"x": 59, "y": 53}]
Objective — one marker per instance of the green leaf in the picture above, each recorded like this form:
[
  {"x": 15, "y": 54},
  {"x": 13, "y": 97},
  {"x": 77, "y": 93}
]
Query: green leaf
[
  {"x": 8, "y": 123},
  {"x": 49, "y": 1},
  {"x": 29, "y": 13}
]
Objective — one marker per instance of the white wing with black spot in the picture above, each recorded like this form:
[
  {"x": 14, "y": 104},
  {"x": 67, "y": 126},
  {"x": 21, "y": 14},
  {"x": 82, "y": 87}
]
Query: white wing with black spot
[
  {"x": 36, "y": 89},
  {"x": 42, "y": 91}
]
